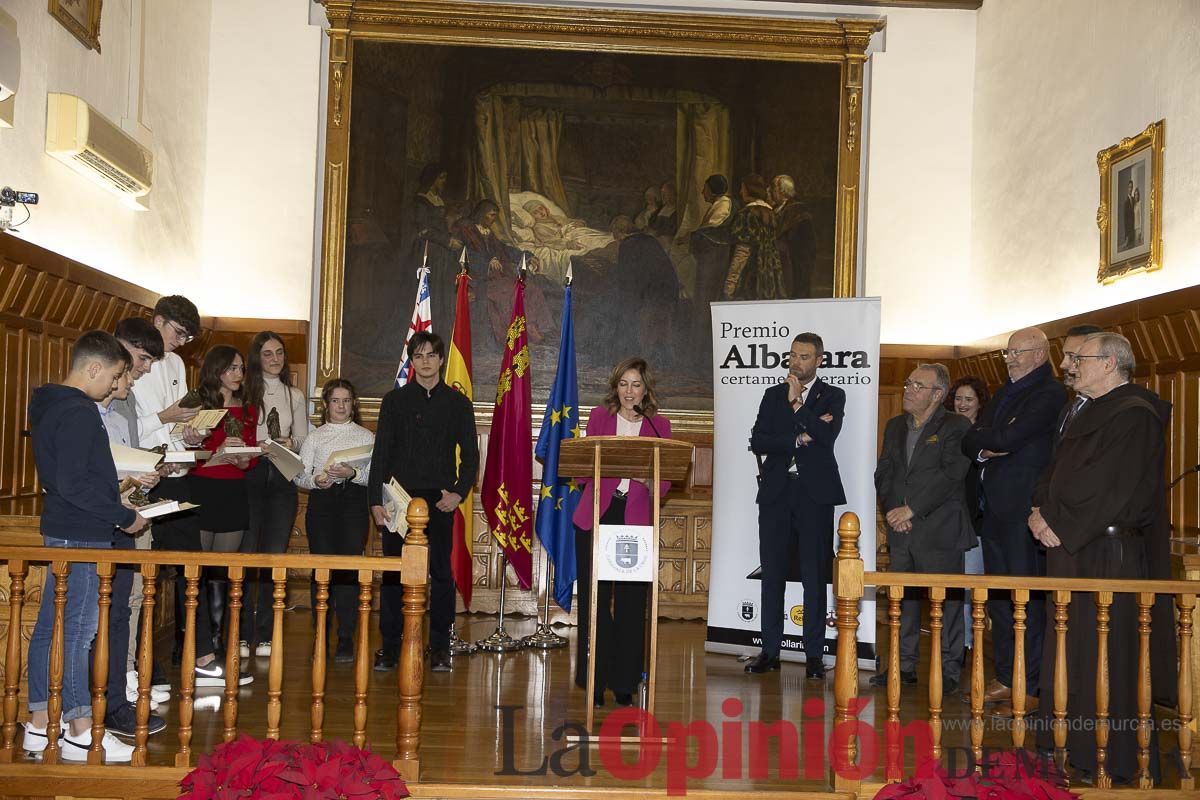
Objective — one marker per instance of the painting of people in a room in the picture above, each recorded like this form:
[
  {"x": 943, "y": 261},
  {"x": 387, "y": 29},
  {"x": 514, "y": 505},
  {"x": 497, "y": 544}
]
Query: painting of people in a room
[{"x": 659, "y": 184}]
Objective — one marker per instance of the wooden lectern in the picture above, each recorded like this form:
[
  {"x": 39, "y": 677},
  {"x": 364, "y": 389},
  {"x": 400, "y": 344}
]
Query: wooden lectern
[{"x": 637, "y": 457}]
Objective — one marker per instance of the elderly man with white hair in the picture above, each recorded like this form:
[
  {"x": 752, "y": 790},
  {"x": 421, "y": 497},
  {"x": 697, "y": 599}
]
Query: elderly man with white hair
[{"x": 1099, "y": 502}]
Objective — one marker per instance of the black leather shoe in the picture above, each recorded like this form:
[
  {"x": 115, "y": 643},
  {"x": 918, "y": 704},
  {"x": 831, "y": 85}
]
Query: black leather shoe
[
  {"x": 345, "y": 652},
  {"x": 763, "y": 663},
  {"x": 814, "y": 671},
  {"x": 906, "y": 678},
  {"x": 385, "y": 660},
  {"x": 440, "y": 661},
  {"x": 623, "y": 698}
]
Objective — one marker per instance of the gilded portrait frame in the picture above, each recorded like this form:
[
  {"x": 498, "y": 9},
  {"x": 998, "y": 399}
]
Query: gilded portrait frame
[
  {"x": 87, "y": 31},
  {"x": 1130, "y": 226},
  {"x": 842, "y": 41}
]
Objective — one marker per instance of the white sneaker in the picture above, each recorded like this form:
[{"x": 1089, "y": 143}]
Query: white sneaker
[
  {"x": 75, "y": 748},
  {"x": 244, "y": 647},
  {"x": 263, "y": 649},
  {"x": 214, "y": 675},
  {"x": 34, "y": 741},
  {"x": 157, "y": 696}
]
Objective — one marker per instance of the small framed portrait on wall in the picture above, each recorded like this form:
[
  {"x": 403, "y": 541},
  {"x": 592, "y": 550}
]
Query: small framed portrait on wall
[
  {"x": 81, "y": 18},
  {"x": 1130, "y": 213}
]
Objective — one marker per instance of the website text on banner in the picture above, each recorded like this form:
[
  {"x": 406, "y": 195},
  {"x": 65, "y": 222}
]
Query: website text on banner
[{"x": 751, "y": 346}]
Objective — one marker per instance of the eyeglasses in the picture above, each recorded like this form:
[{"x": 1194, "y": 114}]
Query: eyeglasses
[
  {"x": 917, "y": 386},
  {"x": 1012, "y": 352},
  {"x": 180, "y": 331},
  {"x": 1076, "y": 358}
]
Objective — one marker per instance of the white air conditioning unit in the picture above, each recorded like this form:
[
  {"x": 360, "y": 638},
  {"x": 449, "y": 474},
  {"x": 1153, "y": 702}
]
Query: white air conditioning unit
[{"x": 87, "y": 142}]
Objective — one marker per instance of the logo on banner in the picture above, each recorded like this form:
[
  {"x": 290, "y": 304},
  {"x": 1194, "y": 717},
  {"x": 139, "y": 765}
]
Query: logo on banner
[
  {"x": 797, "y": 615},
  {"x": 831, "y": 620},
  {"x": 747, "y": 610},
  {"x": 626, "y": 556}
]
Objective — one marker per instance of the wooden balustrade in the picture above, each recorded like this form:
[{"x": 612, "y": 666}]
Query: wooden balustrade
[
  {"x": 413, "y": 567},
  {"x": 850, "y": 581}
]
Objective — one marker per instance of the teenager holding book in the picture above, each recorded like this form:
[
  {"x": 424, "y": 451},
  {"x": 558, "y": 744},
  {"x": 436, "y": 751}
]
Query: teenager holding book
[
  {"x": 336, "y": 518},
  {"x": 282, "y": 416},
  {"x": 81, "y": 509},
  {"x": 219, "y": 487}
]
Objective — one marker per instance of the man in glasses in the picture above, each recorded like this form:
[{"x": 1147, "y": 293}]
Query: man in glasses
[
  {"x": 920, "y": 484},
  {"x": 1071, "y": 344},
  {"x": 1013, "y": 438},
  {"x": 1099, "y": 504}
]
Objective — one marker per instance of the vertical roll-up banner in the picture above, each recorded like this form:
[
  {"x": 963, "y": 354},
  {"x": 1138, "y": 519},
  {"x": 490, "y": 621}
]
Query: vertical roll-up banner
[{"x": 751, "y": 346}]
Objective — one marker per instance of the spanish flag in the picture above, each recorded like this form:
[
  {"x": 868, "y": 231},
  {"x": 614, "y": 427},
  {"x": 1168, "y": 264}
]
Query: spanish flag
[{"x": 458, "y": 377}]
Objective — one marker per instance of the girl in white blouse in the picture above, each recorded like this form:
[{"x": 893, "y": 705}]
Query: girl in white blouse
[
  {"x": 337, "y": 515},
  {"x": 282, "y": 416}
]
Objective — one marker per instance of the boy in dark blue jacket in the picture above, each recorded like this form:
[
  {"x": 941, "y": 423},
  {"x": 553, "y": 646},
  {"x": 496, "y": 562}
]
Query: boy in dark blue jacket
[{"x": 81, "y": 508}]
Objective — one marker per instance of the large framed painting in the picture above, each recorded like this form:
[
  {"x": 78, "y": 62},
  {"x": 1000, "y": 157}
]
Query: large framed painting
[
  {"x": 665, "y": 161},
  {"x": 81, "y": 18},
  {"x": 1131, "y": 198}
]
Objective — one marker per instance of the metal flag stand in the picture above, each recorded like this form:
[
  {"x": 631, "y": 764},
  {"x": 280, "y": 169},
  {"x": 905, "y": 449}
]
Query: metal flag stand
[
  {"x": 458, "y": 646},
  {"x": 500, "y": 641},
  {"x": 544, "y": 638}
]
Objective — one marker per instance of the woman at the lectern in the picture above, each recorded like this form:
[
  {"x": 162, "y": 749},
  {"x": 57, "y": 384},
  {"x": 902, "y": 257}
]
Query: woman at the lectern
[{"x": 629, "y": 409}]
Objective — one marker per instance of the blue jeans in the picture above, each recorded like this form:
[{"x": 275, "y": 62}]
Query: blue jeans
[{"x": 80, "y": 618}]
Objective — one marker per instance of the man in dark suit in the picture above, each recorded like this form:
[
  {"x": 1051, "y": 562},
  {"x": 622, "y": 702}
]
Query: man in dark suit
[
  {"x": 919, "y": 481},
  {"x": 1013, "y": 438},
  {"x": 798, "y": 422}
]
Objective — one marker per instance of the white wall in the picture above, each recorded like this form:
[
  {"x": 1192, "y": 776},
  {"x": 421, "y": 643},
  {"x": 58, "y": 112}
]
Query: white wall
[
  {"x": 263, "y": 116},
  {"x": 1054, "y": 84},
  {"x": 229, "y": 99},
  {"x": 75, "y": 217}
]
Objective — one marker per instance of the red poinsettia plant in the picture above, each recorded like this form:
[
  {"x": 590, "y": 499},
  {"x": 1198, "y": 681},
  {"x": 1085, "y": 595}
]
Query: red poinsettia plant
[
  {"x": 1003, "y": 776},
  {"x": 274, "y": 770}
]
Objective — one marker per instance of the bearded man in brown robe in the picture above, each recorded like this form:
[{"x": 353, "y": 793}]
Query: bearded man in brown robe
[{"x": 1099, "y": 501}]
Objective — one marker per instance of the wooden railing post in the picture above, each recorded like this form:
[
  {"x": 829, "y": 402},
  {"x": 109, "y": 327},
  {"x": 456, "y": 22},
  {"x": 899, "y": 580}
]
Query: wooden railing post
[
  {"x": 62, "y": 572},
  {"x": 275, "y": 669},
  {"x": 1145, "y": 602},
  {"x": 187, "y": 675},
  {"x": 937, "y": 599},
  {"x": 1062, "y": 604},
  {"x": 978, "y": 604},
  {"x": 895, "y": 757},
  {"x": 411, "y": 675},
  {"x": 1020, "y": 598},
  {"x": 362, "y": 658},
  {"x": 1185, "y": 603},
  {"x": 320, "y": 651},
  {"x": 233, "y": 652},
  {"x": 1104, "y": 601},
  {"x": 17, "y": 571},
  {"x": 847, "y": 591},
  {"x": 146, "y": 664},
  {"x": 105, "y": 572}
]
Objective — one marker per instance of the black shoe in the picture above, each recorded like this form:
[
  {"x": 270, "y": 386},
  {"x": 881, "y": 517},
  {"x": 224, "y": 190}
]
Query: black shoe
[
  {"x": 345, "y": 652},
  {"x": 623, "y": 698},
  {"x": 440, "y": 661},
  {"x": 906, "y": 678},
  {"x": 949, "y": 686},
  {"x": 763, "y": 663},
  {"x": 385, "y": 660},
  {"x": 814, "y": 671},
  {"x": 123, "y": 721}
]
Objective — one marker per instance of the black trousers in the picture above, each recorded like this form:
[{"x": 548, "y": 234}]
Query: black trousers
[
  {"x": 182, "y": 532},
  {"x": 272, "y": 500},
  {"x": 441, "y": 581},
  {"x": 1010, "y": 549},
  {"x": 795, "y": 525},
  {"x": 336, "y": 521},
  {"x": 620, "y": 618}
]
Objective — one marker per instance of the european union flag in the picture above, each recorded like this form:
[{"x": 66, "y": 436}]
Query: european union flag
[{"x": 560, "y": 496}]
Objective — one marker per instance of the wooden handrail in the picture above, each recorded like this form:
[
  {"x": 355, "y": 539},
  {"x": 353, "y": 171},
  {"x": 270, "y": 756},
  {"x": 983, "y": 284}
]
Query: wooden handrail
[
  {"x": 928, "y": 580},
  {"x": 206, "y": 559}
]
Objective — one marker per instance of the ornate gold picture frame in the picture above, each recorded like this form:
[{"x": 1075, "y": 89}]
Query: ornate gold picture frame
[
  {"x": 358, "y": 25},
  {"x": 1131, "y": 197},
  {"x": 81, "y": 18}
]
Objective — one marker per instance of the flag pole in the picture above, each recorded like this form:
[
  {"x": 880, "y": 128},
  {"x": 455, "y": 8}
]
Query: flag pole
[
  {"x": 458, "y": 645},
  {"x": 544, "y": 638},
  {"x": 500, "y": 641}
]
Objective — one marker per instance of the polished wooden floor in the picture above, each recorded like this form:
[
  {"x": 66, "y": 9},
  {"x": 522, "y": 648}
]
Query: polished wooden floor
[{"x": 492, "y": 721}]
